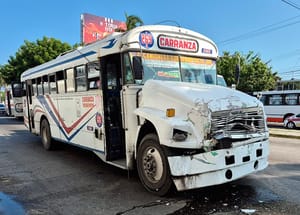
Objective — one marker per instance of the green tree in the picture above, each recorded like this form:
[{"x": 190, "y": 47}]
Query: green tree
[
  {"x": 31, "y": 54},
  {"x": 133, "y": 21},
  {"x": 255, "y": 75}
]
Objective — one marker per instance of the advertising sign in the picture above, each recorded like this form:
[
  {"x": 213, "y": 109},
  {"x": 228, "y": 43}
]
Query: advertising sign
[{"x": 96, "y": 27}]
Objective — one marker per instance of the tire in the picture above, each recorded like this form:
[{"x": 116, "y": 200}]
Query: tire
[
  {"x": 153, "y": 167},
  {"x": 46, "y": 135},
  {"x": 290, "y": 125}
]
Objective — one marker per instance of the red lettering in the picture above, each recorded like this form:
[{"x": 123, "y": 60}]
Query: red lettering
[
  {"x": 175, "y": 43},
  {"x": 178, "y": 43},
  {"x": 171, "y": 42}
]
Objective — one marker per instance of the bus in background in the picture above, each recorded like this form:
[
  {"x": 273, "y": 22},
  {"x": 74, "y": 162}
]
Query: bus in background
[
  {"x": 148, "y": 99},
  {"x": 13, "y": 99},
  {"x": 280, "y": 104}
]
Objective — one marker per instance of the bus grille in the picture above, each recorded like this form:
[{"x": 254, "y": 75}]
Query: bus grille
[{"x": 237, "y": 122}]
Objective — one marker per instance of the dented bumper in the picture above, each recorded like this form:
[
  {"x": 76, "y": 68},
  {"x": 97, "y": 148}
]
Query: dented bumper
[{"x": 218, "y": 167}]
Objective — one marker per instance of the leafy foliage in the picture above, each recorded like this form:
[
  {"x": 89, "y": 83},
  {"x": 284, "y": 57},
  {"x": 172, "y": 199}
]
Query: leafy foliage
[
  {"x": 133, "y": 21},
  {"x": 31, "y": 54},
  {"x": 255, "y": 75}
]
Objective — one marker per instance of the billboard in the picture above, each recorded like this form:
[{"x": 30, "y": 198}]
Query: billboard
[{"x": 96, "y": 27}]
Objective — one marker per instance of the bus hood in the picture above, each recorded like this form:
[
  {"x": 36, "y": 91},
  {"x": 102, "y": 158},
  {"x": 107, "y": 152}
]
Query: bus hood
[
  {"x": 165, "y": 94},
  {"x": 208, "y": 112}
]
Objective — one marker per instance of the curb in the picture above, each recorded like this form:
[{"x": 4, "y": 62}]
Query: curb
[{"x": 294, "y": 134}]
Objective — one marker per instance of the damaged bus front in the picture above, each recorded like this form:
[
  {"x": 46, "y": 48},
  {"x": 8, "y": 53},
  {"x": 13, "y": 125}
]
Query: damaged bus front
[
  {"x": 215, "y": 134},
  {"x": 192, "y": 132}
]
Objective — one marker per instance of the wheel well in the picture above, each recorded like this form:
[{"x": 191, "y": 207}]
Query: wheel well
[
  {"x": 287, "y": 115},
  {"x": 146, "y": 128}
]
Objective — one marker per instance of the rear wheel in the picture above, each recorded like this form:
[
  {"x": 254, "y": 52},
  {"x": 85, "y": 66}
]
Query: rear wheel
[
  {"x": 290, "y": 125},
  {"x": 152, "y": 166},
  {"x": 46, "y": 135}
]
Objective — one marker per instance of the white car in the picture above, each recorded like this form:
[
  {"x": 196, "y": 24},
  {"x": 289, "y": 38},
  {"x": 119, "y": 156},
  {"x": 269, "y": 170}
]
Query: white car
[{"x": 292, "y": 121}]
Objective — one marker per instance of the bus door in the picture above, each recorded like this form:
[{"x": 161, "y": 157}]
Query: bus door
[
  {"x": 8, "y": 105},
  {"x": 111, "y": 76},
  {"x": 28, "y": 111}
]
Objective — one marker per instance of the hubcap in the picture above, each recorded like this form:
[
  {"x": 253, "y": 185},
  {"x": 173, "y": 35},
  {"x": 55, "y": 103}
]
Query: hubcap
[
  {"x": 152, "y": 164},
  {"x": 290, "y": 125}
]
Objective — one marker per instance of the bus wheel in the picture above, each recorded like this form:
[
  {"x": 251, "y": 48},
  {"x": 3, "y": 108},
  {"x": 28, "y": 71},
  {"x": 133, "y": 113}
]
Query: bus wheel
[
  {"x": 46, "y": 135},
  {"x": 290, "y": 125},
  {"x": 152, "y": 166}
]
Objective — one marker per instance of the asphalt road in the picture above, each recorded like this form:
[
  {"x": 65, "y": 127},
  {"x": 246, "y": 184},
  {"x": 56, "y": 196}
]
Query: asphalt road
[{"x": 74, "y": 181}]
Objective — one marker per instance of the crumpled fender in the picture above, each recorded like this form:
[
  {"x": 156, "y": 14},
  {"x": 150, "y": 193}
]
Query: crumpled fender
[{"x": 164, "y": 126}]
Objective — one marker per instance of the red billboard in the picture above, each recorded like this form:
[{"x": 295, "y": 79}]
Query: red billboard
[{"x": 96, "y": 27}]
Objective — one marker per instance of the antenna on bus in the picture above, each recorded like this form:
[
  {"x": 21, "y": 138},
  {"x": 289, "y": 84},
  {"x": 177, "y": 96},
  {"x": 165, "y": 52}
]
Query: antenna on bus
[{"x": 168, "y": 21}]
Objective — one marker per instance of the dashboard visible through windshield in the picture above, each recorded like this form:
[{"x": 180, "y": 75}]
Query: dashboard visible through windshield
[{"x": 177, "y": 68}]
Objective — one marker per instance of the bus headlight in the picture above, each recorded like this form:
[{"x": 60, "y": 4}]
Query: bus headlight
[
  {"x": 179, "y": 135},
  {"x": 19, "y": 107}
]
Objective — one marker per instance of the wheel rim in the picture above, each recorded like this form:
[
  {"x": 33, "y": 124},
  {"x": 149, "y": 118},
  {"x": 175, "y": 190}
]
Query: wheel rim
[
  {"x": 152, "y": 165},
  {"x": 290, "y": 125}
]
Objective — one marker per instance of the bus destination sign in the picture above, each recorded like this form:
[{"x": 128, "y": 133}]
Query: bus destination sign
[{"x": 177, "y": 43}]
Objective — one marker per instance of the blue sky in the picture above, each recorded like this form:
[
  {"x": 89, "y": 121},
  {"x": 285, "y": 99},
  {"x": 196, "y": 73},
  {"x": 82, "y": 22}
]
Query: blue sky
[{"x": 219, "y": 20}]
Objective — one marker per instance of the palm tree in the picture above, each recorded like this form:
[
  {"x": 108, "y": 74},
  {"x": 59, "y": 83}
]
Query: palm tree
[{"x": 133, "y": 21}]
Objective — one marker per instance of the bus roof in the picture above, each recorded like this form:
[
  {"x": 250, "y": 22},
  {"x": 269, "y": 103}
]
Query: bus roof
[{"x": 153, "y": 38}]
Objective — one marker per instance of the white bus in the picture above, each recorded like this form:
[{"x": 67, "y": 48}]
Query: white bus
[
  {"x": 280, "y": 104},
  {"x": 13, "y": 99},
  {"x": 148, "y": 99}
]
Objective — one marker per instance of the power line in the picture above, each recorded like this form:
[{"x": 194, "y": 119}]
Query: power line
[
  {"x": 263, "y": 30},
  {"x": 291, "y": 71},
  {"x": 291, "y": 4}
]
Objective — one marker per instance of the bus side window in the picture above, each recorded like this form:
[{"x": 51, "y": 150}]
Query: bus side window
[
  {"x": 263, "y": 99},
  {"x": 111, "y": 76},
  {"x": 39, "y": 86},
  {"x": 127, "y": 70},
  {"x": 45, "y": 84},
  {"x": 34, "y": 91},
  {"x": 70, "y": 80},
  {"x": 60, "y": 80},
  {"x": 93, "y": 75},
  {"x": 291, "y": 99},
  {"x": 275, "y": 100},
  {"x": 52, "y": 84},
  {"x": 80, "y": 78}
]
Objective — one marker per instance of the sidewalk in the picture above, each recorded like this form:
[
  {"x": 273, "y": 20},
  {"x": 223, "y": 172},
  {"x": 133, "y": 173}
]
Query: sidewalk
[{"x": 284, "y": 132}]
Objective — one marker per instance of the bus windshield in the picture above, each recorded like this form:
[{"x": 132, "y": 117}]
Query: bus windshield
[
  {"x": 177, "y": 68},
  {"x": 17, "y": 90}
]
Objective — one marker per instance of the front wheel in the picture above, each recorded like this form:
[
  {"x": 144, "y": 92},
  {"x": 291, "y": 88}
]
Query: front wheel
[
  {"x": 46, "y": 135},
  {"x": 290, "y": 125},
  {"x": 152, "y": 166}
]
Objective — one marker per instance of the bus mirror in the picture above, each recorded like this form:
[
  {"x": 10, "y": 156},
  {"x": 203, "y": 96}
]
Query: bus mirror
[{"x": 137, "y": 67}]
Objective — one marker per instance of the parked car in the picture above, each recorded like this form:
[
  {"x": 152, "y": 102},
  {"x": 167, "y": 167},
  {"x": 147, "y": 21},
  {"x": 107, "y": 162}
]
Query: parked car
[
  {"x": 2, "y": 109},
  {"x": 292, "y": 121}
]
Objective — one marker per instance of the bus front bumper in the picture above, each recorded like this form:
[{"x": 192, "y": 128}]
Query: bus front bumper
[{"x": 218, "y": 167}]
